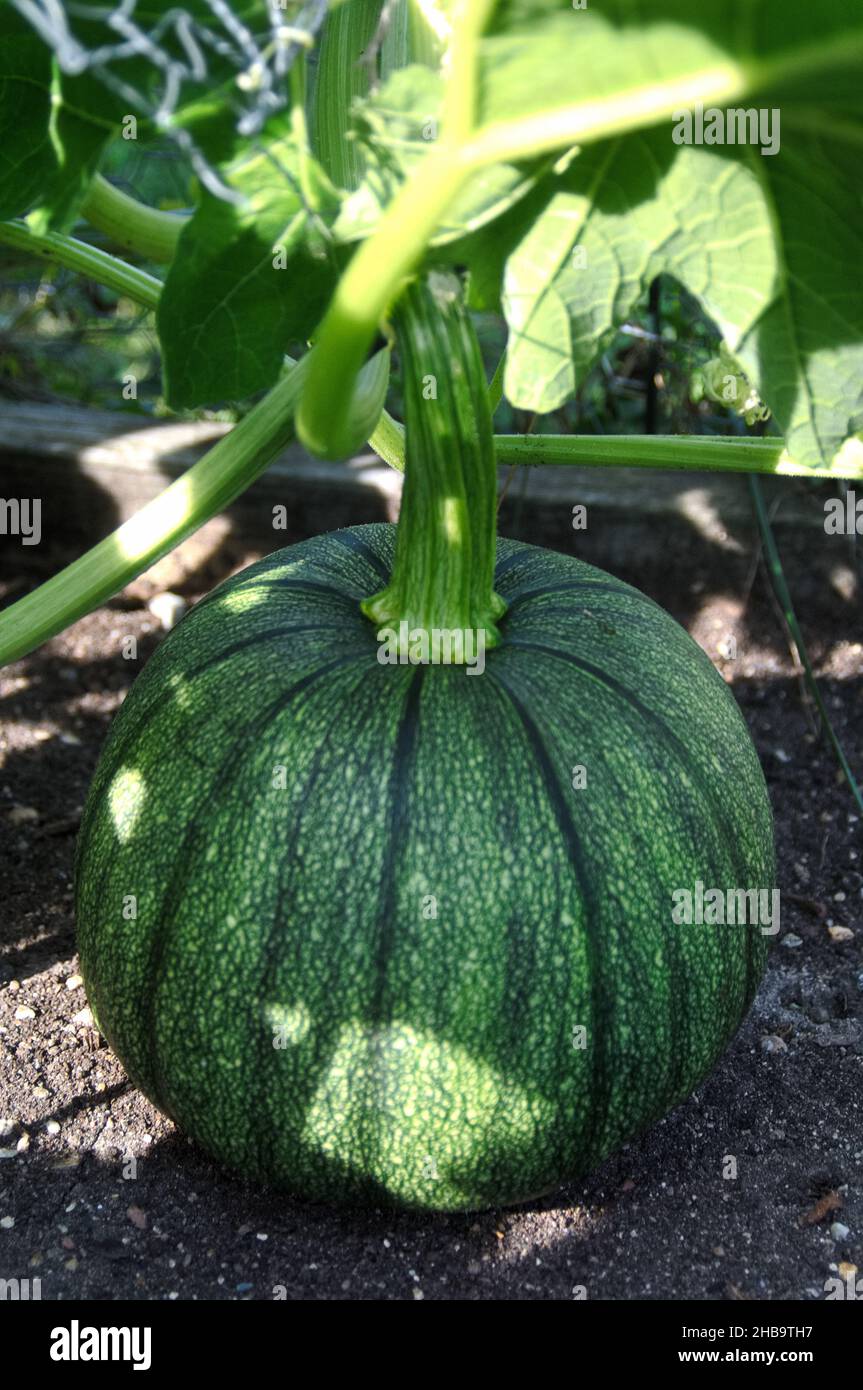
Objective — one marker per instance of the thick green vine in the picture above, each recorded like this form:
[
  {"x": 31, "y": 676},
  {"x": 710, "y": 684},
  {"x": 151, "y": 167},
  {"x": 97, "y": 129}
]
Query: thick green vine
[{"x": 443, "y": 572}]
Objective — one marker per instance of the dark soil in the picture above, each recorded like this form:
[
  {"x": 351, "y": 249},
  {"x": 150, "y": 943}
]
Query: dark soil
[{"x": 101, "y": 1198}]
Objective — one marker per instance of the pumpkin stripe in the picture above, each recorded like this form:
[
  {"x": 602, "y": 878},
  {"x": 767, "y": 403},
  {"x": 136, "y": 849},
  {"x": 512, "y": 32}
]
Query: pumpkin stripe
[
  {"x": 308, "y": 586},
  {"x": 589, "y": 586},
  {"x": 516, "y": 557},
  {"x": 380, "y": 1010},
  {"x": 122, "y": 736},
  {"x": 351, "y": 541},
  {"x": 212, "y": 791},
  {"x": 601, "y": 992},
  {"x": 674, "y": 1017},
  {"x": 274, "y": 942},
  {"x": 405, "y": 740},
  {"x": 683, "y": 754}
]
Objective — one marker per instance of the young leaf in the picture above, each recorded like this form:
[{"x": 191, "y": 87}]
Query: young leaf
[{"x": 395, "y": 128}]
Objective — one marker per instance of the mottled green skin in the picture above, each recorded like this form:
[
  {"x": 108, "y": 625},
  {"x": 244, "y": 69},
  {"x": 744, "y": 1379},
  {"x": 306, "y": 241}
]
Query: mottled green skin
[{"x": 427, "y": 1060}]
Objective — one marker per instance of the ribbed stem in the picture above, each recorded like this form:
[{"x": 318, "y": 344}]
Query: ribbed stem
[
  {"x": 443, "y": 569},
  {"x": 342, "y": 77}
]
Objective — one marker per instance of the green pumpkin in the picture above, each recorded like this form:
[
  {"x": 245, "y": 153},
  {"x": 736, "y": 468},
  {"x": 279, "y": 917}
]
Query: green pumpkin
[{"x": 364, "y": 931}]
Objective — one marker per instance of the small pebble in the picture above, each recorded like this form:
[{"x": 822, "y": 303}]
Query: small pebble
[
  {"x": 773, "y": 1043},
  {"x": 52, "y": 1127},
  {"x": 7, "y": 1222},
  {"x": 839, "y": 1231},
  {"x": 839, "y": 934},
  {"x": 24, "y": 1012},
  {"x": 74, "y": 982},
  {"x": 84, "y": 1018},
  {"x": 22, "y": 815},
  {"x": 791, "y": 939},
  {"x": 168, "y": 608}
]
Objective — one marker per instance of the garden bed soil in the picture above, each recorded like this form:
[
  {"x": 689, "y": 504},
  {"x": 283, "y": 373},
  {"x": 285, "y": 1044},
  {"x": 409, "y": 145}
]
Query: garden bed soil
[{"x": 101, "y": 1198}]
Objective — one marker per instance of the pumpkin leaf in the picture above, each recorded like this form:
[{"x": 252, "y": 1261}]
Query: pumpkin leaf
[
  {"x": 760, "y": 239},
  {"x": 394, "y": 129},
  {"x": 761, "y": 242},
  {"x": 247, "y": 279},
  {"x": 57, "y": 145},
  {"x": 758, "y": 232}
]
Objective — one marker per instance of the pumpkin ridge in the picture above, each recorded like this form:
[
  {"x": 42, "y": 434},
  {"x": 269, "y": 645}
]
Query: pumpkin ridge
[
  {"x": 272, "y": 940},
  {"x": 172, "y": 898},
  {"x": 601, "y": 996},
  {"x": 349, "y": 540},
  {"x": 684, "y": 756},
  {"x": 405, "y": 742},
  {"x": 571, "y": 586}
]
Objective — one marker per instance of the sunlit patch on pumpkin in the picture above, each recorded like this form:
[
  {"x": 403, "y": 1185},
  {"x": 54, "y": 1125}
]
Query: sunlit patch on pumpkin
[
  {"x": 180, "y": 689},
  {"x": 416, "y": 1112},
  {"x": 126, "y": 800},
  {"x": 243, "y": 599}
]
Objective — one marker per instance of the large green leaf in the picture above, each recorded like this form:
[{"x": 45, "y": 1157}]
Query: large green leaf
[
  {"x": 247, "y": 279},
  {"x": 806, "y": 351},
  {"x": 624, "y": 211},
  {"x": 545, "y": 60},
  {"x": 762, "y": 239},
  {"x": 26, "y": 162},
  {"x": 763, "y": 242}
]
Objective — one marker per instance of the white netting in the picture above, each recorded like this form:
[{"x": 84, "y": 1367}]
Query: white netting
[{"x": 179, "y": 49}]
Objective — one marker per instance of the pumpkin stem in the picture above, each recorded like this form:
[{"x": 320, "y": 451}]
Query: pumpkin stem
[{"x": 443, "y": 569}]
